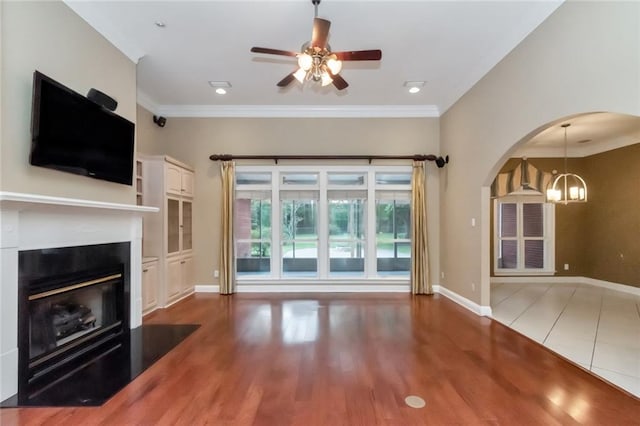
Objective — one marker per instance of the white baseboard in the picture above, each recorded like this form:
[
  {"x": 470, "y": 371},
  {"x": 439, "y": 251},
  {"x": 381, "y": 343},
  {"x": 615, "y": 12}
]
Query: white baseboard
[
  {"x": 568, "y": 280},
  {"x": 207, "y": 288},
  {"x": 484, "y": 311},
  {"x": 322, "y": 288}
]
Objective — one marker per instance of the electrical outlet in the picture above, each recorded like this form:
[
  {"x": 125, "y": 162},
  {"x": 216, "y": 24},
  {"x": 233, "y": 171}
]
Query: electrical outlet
[
  {"x": 566, "y": 266},
  {"x": 216, "y": 274},
  {"x": 473, "y": 286},
  {"x": 442, "y": 275}
]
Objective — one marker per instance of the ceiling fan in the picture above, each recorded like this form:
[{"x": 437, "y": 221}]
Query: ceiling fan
[{"x": 316, "y": 61}]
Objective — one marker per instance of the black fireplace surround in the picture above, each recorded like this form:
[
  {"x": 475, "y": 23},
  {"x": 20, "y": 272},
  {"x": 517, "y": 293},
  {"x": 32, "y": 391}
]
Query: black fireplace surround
[
  {"x": 75, "y": 345},
  {"x": 73, "y": 309}
]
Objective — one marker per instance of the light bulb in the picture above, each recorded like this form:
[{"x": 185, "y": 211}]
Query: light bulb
[
  {"x": 334, "y": 64},
  {"x": 326, "y": 79},
  {"x": 554, "y": 195},
  {"x": 221, "y": 91},
  {"x": 300, "y": 75},
  {"x": 581, "y": 194},
  {"x": 414, "y": 89},
  {"x": 573, "y": 192},
  {"x": 305, "y": 61}
]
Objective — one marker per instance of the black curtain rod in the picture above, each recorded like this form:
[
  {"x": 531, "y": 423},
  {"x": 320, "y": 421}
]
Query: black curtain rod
[{"x": 440, "y": 161}]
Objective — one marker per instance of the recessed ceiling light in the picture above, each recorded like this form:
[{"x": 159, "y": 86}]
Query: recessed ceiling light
[
  {"x": 220, "y": 86},
  {"x": 414, "y": 86},
  {"x": 160, "y": 24}
]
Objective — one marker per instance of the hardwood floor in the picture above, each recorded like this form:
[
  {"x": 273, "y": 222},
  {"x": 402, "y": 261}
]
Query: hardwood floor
[{"x": 335, "y": 359}]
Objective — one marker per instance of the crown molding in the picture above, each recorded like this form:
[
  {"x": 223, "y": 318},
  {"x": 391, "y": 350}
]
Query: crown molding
[{"x": 299, "y": 111}]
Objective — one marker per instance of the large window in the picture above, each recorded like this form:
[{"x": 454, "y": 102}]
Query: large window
[
  {"x": 329, "y": 222},
  {"x": 524, "y": 237}
]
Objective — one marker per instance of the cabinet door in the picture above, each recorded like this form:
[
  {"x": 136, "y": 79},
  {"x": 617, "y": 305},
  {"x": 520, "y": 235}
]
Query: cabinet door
[
  {"x": 187, "y": 225},
  {"x": 174, "y": 278},
  {"x": 187, "y": 275},
  {"x": 149, "y": 286},
  {"x": 174, "y": 226},
  {"x": 173, "y": 176},
  {"x": 187, "y": 183}
]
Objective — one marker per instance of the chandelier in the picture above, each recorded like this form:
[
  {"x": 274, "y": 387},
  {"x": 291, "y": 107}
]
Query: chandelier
[
  {"x": 317, "y": 64},
  {"x": 567, "y": 187}
]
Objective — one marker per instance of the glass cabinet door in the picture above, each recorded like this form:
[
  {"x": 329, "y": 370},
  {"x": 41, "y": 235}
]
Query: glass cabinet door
[
  {"x": 187, "y": 237},
  {"x": 173, "y": 225}
]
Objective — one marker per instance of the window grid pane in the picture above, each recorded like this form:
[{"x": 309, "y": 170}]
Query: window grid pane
[
  {"x": 508, "y": 219},
  {"x": 532, "y": 220},
  {"x": 508, "y": 254},
  {"x": 534, "y": 254}
]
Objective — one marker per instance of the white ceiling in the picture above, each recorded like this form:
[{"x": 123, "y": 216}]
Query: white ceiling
[{"x": 448, "y": 44}]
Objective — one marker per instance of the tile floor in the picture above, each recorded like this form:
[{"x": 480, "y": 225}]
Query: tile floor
[{"x": 597, "y": 328}]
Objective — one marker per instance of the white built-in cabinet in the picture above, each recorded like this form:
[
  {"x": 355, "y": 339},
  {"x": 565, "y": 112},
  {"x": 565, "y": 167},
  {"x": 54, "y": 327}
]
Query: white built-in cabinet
[{"x": 169, "y": 185}]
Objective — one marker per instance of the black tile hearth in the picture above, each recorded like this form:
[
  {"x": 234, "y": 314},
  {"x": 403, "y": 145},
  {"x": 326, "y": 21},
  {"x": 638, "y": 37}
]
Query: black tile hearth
[{"x": 98, "y": 381}]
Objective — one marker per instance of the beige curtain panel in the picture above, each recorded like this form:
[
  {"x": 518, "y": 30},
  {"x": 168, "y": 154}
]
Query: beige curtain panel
[
  {"x": 227, "y": 270},
  {"x": 420, "y": 282}
]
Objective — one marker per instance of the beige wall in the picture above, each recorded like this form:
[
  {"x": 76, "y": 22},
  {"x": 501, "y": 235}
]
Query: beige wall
[
  {"x": 583, "y": 58},
  {"x": 49, "y": 37},
  {"x": 149, "y": 137},
  {"x": 612, "y": 252},
  {"x": 193, "y": 140}
]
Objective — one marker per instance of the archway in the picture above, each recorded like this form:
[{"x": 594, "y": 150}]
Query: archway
[{"x": 596, "y": 249}]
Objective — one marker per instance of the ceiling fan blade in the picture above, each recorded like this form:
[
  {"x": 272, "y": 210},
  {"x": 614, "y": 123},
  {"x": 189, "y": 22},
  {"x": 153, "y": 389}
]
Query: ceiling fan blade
[
  {"x": 339, "y": 82},
  {"x": 320, "y": 33},
  {"x": 273, "y": 51},
  {"x": 360, "y": 55},
  {"x": 287, "y": 80}
]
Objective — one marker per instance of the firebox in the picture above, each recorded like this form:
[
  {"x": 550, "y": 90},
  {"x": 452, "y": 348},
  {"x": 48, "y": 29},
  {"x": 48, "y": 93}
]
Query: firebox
[{"x": 73, "y": 309}]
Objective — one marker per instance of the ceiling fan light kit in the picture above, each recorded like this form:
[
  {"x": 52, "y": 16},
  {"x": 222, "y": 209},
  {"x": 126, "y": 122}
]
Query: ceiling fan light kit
[{"x": 316, "y": 61}]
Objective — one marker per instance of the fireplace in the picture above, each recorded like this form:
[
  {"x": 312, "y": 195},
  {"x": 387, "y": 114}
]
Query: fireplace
[
  {"x": 73, "y": 309},
  {"x": 33, "y": 226}
]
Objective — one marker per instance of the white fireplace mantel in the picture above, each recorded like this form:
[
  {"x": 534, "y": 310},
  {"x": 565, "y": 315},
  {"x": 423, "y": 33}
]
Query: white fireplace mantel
[{"x": 31, "y": 221}]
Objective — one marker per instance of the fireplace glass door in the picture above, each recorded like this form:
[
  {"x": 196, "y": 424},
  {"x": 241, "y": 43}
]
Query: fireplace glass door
[{"x": 66, "y": 316}]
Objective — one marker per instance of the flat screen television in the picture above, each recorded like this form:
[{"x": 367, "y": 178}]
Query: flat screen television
[{"x": 73, "y": 134}]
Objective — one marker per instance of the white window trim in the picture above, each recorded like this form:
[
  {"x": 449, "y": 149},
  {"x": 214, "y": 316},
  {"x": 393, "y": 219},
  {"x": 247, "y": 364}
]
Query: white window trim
[
  {"x": 323, "y": 276},
  {"x": 549, "y": 236}
]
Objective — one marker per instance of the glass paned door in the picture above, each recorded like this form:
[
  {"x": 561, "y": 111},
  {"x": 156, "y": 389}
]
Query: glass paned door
[
  {"x": 346, "y": 236},
  {"x": 252, "y": 219},
  {"x": 299, "y": 228},
  {"x": 393, "y": 244}
]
